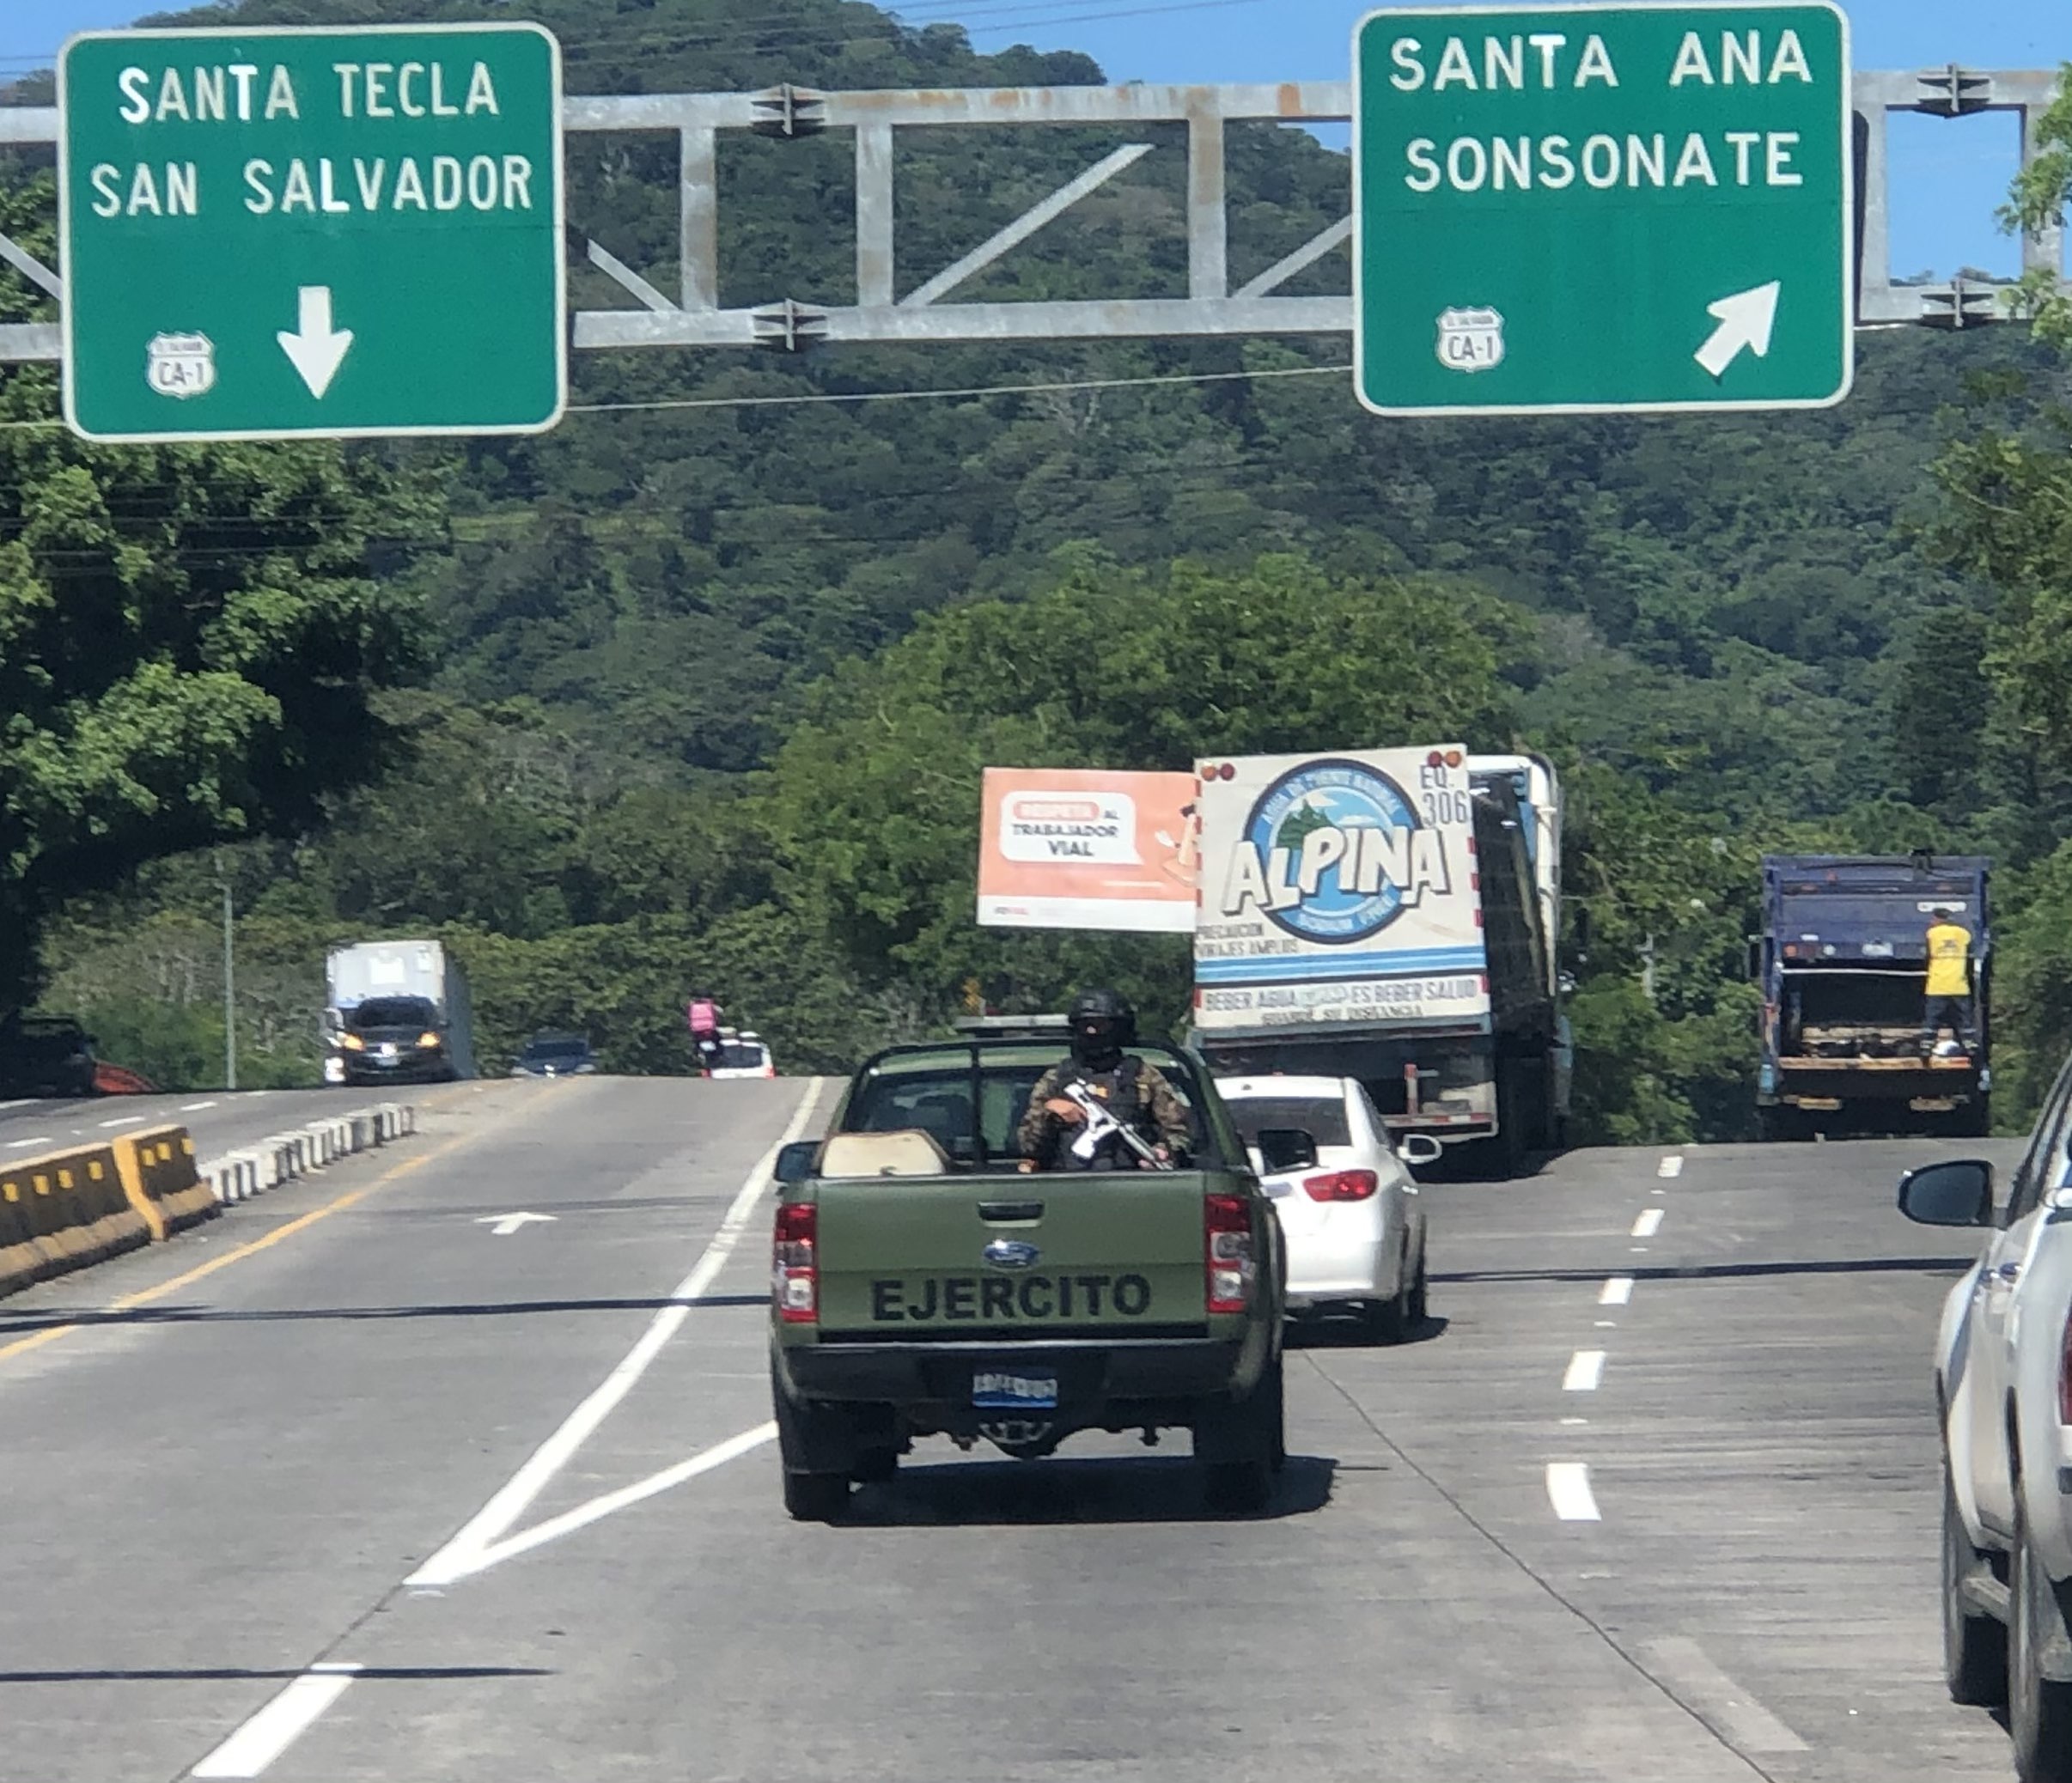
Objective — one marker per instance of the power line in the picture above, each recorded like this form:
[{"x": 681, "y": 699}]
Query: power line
[{"x": 804, "y": 398}]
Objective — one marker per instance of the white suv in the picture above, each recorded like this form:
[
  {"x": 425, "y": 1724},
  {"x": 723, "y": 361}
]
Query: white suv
[{"x": 2003, "y": 1386}]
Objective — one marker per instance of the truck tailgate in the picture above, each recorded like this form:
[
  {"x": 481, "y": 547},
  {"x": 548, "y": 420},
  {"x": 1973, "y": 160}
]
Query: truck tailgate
[{"x": 1015, "y": 1256}]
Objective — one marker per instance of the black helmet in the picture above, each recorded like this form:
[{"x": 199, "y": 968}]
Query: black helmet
[{"x": 1102, "y": 1023}]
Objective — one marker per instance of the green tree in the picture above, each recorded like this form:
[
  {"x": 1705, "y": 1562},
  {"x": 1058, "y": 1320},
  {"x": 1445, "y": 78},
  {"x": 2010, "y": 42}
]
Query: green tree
[
  {"x": 190, "y": 637},
  {"x": 873, "y": 800}
]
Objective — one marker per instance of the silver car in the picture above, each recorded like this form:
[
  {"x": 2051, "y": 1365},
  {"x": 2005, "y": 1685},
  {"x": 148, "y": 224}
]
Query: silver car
[{"x": 2003, "y": 1388}]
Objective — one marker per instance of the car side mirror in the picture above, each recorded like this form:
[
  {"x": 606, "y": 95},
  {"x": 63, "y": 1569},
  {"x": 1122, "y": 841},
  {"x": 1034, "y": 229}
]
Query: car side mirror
[
  {"x": 1286, "y": 1148},
  {"x": 795, "y": 1160},
  {"x": 1956, "y": 1193},
  {"x": 1419, "y": 1148}
]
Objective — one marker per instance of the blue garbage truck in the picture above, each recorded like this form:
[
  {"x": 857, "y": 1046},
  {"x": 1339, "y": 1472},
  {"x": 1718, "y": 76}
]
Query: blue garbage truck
[{"x": 1843, "y": 959}]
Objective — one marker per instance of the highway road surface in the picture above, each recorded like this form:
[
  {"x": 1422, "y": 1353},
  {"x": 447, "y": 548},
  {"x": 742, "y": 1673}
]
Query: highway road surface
[
  {"x": 220, "y": 1120},
  {"x": 359, "y": 1487}
]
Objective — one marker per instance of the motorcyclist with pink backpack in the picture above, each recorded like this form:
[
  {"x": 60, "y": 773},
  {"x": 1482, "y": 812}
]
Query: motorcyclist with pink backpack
[{"x": 703, "y": 1015}]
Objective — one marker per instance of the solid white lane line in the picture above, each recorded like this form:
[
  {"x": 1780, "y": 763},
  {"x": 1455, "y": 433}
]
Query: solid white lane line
[
  {"x": 1569, "y": 1492},
  {"x": 126, "y": 1121},
  {"x": 1672, "y": 1165},
  {"x": 15, "y": 1145},
  {"x": 1586, "y": 1369},
  {"x": 1648, "y": 1224},
  {"x": 277, "y": 1726},
  {"x": 196, "y": 1107},
  {"x": 463, "y": 1554},
  {"x": 597, "y": 1508},
  {"x": 1617, "y": 1290}
]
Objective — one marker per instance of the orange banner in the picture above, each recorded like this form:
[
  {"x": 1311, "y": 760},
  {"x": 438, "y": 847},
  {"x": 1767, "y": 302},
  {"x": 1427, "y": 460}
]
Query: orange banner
[{"x": 1084, "y": 848}]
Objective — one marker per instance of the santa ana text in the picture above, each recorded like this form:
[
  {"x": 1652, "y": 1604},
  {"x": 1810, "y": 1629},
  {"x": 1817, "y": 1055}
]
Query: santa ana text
[{"x": 1600, "y": 162}]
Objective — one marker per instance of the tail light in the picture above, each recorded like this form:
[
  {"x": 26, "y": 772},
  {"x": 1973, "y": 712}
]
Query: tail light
[
  {"x": 794, "y": 1277},
  {"x": 2064, "y": 1376},
  {"x": 1341, "y": 1185},
  {"x": 1228, "y": 1255}
]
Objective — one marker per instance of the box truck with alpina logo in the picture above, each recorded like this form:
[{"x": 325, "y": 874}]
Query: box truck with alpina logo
[{"x": 1390, "y": 916}]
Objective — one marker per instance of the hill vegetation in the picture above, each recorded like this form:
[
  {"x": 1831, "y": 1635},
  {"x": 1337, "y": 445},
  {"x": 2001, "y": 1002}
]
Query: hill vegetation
[{"x": 698, "y": 697}]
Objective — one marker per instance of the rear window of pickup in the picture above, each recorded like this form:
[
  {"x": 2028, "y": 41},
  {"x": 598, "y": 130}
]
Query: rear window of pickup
[{"x": 970, "y": 1100}]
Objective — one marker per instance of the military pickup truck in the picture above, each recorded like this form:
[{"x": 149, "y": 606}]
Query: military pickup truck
[{"x": 923, "y": 1284}]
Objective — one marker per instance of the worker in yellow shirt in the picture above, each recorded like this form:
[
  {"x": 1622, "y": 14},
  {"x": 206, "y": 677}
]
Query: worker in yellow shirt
[{"x": 1949, "y": 982}]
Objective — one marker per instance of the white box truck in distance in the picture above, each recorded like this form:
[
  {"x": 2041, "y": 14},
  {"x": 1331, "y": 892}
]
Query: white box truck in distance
[
  {"x": 377, "y": 973},
  {"x": 1390, "y": 916}
]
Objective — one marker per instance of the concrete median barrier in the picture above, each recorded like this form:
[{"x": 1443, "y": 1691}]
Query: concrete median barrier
[
  {"x": 282, "y": 1157},
  {"x": 161, "y": 1180},
  {"x": 64, "y": 1211}
]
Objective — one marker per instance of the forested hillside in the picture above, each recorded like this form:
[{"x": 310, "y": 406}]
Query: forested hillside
[{"x": 699, "y": 694}]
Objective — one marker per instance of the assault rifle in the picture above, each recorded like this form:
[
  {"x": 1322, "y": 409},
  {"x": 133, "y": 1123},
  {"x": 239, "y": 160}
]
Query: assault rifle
[{"x": 1100, "y": 1126}]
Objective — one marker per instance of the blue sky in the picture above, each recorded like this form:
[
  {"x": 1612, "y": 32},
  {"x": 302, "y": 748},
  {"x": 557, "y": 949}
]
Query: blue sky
[{"x": 1947, "y": 174}]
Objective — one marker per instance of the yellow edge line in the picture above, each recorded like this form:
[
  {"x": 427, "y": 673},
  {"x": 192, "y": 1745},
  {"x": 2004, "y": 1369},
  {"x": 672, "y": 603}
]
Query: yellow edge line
[{"x": 22, "y": 1346}]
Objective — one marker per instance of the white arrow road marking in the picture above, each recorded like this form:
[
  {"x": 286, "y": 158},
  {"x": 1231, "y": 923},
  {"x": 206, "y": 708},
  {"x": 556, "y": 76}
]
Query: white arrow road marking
[
  {"x": 1746, "y": 319},
  {"x": 314, "y": 349},
  {"x": 502, "y": 1226}
]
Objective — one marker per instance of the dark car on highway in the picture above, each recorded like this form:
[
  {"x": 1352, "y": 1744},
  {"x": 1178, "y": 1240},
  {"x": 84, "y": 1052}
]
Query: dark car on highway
[
  {"x": 395, "y": 1040},
  {"x": 46, "y": 1055},
  {"x": 555, "y": 1055}
]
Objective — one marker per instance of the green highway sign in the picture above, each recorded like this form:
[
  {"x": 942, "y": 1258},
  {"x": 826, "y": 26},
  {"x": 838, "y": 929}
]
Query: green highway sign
[
  {"x": 1584, "y": 208},
  {"x": 272, "y": 234}
]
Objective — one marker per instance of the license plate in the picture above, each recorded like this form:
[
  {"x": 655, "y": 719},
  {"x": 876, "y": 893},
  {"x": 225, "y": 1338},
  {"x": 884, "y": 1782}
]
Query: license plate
[
  {"x": 389, "y": 1050},
  {"x": 1000, "y": 1391}
]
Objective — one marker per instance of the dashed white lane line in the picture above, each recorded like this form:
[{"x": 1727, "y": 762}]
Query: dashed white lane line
[
  {"x": 471, "y": 1549},
  {"x": 1586, "y": 1369},
  {"x": 124, "y": 1121},
  {"x": 1569, "y": 1492},
  {"x": 196, "y": 1107},
  {"x": 1617, "y": 1291},
  {"x": 1648, "y": 1224},
  {"x": 18, "y": 1102},
  {"x": 276, "y": 1727},
  {"x": 15, "y": 1145},
  {"x": 1672, "y": 1165}
]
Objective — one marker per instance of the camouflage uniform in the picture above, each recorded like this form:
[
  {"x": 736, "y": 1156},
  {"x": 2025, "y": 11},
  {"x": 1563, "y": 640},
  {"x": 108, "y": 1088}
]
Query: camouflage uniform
[{"x": 1160, "y": 1116}]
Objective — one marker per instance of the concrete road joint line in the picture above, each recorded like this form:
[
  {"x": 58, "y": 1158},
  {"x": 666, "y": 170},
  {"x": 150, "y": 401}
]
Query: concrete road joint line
[
  {"x": 1672, "y": 1165},
  {"x": 276, "y": 1727},
  {"x": 1586, "y": 1369},
  {"x": 1648, "y": 1224},
  {"x": 476, "y": 1544},
  {"x": 1717, "y": 1700},
  {"x": 1569, "y": 1492},
  {"x": 1617, "y": 1291}
]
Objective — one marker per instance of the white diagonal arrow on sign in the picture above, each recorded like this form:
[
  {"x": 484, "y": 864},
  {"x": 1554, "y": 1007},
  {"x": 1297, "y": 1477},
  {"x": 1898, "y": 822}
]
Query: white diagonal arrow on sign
[
  {"x": 314, "y": 349},
  {"x": 1746, "y": 319},
  {"x": 502, "y": 1226}
]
